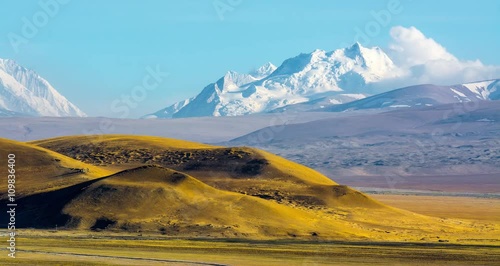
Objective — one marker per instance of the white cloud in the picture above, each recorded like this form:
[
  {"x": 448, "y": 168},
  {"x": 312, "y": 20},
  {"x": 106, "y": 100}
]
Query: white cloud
[
  {"x": 410, "y": 47},
  {"x": 423, "y": 60}
]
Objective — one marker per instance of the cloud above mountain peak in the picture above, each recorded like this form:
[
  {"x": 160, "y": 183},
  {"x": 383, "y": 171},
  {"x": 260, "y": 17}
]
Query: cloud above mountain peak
[
  {"x": 344, "y": 74},
  {"x": 411, "y": 47},
  {"x": 424, "y": 60}
]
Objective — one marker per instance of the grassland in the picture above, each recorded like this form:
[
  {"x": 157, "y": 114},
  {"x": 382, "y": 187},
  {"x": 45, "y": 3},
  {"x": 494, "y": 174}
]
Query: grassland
[
  {"x": 43, "y": 248},
  {"x": 123, "y": 199},
  {"x": 45, "y": 170}
]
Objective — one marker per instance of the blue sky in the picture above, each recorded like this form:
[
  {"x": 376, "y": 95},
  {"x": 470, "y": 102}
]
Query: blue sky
[{"x": 95, "y": 51}]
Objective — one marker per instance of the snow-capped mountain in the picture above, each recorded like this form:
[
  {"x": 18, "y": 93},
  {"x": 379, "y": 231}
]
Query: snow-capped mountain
[
  {"x": 205, "y": 104},
  {"x": 263, "y": 71},
  {"x": 344, "y": 75},
  {"x": 24, "y": 93},
  {"x": 424, "y": 95}
]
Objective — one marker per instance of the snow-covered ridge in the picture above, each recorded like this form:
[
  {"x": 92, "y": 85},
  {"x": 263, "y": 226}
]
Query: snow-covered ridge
[
  {"x": 485, "y": 90},
  {"x": 306, "y": 77},
  {"x": 24, "y": 92},
  {"x": 425, "y": 95},
  {"x": 337, "y": 80}
]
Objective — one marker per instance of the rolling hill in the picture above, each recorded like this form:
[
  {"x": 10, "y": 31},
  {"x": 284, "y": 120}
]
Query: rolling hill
[
  {"x": 185, "y": 189},
  {"x": 417, "y": 96},
  {"x": 243, "y": 170},
  {"x": 452, "y": 147},
  {"x": 424, "y": 95},
  {"x": 174, "y": 203},
  {"x": 40, "y": 169}
]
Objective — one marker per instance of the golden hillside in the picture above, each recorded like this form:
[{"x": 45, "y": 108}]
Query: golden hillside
[
  {"x": 39, "y": 169},
  {"x": 176, "y": 188},
  {"x": 243, "y": 170},
  {"x": 157, "y": 200},
  {"x": 163, "y": 200}
]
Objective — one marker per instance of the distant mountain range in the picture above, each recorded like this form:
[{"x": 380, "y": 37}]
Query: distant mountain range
[
  {"x": 339, "y": 80},
  {"x": 409, "y": 97},
  {"x": 344, "y": 75},
  {"x": 24, "y": 93}
]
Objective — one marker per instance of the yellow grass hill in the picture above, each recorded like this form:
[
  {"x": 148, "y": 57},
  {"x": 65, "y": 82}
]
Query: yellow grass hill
[
  {"x": 244, "y": 170},
  {"x": 166, "y": 187},
  {"x": 39, "y": 169},
  {"x": 164, "y": 200}
]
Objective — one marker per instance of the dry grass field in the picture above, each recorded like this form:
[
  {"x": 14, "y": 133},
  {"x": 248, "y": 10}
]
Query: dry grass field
[
  {"x": 482, "y": 209},
  {"x": 123, "y": 199},
  {"x": 45, "y": 170},
  {"x": 75, "y": 248}
]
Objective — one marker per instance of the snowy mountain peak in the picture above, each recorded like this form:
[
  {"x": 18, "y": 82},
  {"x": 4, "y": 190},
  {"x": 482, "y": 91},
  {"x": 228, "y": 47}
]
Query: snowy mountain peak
[
  {"x": 376, "y": 64},
  {"x": 24, "y": 92},
  {"x": 358, "y": 48},
  {"x": 318, "y": 53},
  {"x": 357, "y": 45},
  {"x": 305, "y": 77},
  {"x": 264, "y": 71},
  {"x": 355, "y": 51},
  {"x": 232, "y": 80}
]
